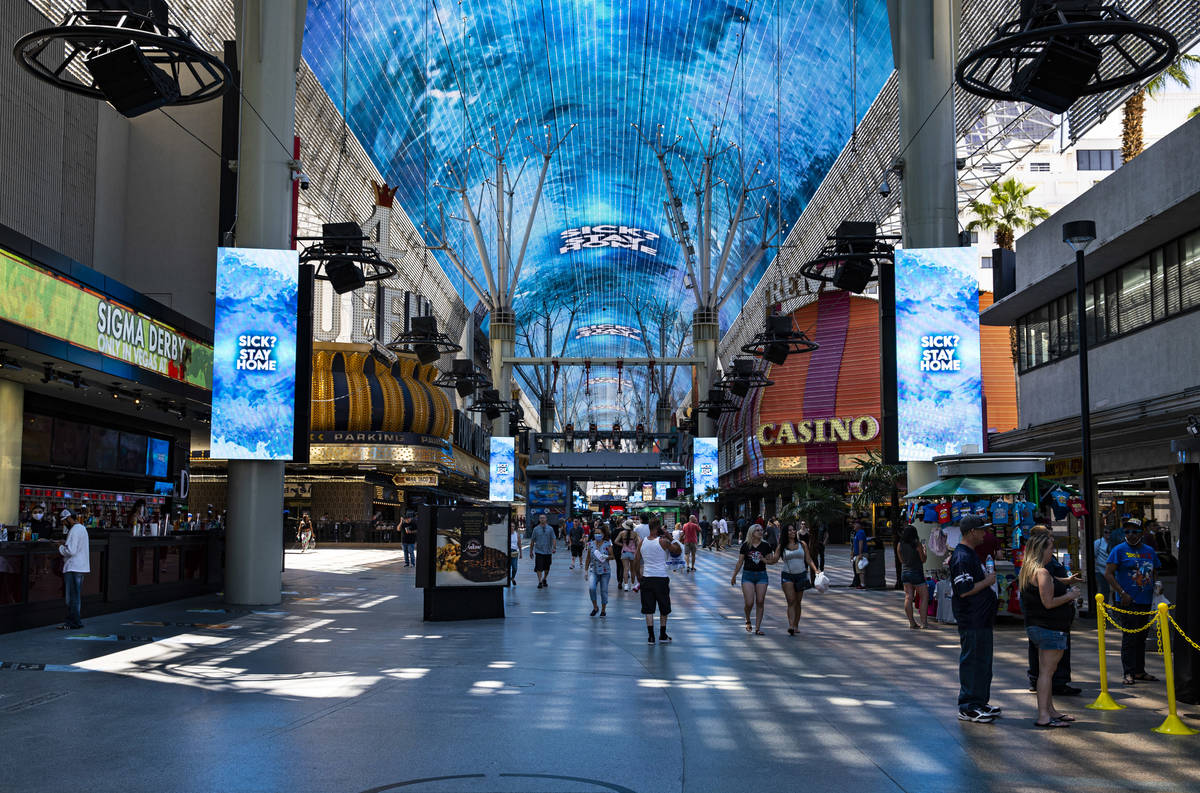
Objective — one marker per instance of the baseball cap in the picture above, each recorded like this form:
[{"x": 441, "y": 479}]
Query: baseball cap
[
  {"x": 970, "y": 523},
  {"x": 66, "y": 513},
  {"x": 1132, "y": 523}
]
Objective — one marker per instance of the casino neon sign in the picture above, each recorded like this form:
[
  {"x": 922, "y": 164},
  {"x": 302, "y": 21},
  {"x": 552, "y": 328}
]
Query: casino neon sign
[{"x": 831, "y": 430}]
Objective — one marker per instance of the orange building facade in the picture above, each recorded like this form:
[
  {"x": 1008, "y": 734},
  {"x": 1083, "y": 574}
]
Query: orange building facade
[{"x": 824, "y": 409}]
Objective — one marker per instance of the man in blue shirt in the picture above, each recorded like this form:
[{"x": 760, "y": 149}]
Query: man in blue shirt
[
  {"x": 1131, "y": 573},
  {"x": 974, "y": 606},
  {"x": 858, "y": 550}
]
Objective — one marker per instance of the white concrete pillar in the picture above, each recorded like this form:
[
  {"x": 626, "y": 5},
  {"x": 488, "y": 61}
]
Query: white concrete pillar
[{"x": 12, "y": 409}]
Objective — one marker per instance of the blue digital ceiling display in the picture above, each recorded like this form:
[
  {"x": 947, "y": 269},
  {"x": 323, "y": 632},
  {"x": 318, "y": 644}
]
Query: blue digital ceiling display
[
  {"x": 704, "y": 469},
  {"x": 428, "y": 81},
  {"x": 502, "y": 466},
  {"x": 938, "y": 368}
]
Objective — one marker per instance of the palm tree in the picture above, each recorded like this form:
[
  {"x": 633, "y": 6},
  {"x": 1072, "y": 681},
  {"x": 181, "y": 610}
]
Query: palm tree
[
  {"x": 877, "y": 481},
  {"x": 814, "y": 503},
  {"x": 1132, "y": 142},
  {"x": 1006, "y": 211}
]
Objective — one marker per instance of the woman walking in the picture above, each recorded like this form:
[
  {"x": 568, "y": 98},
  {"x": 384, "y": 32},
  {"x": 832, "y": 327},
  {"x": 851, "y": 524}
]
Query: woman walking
[
  {"x": 627, "y": 543},
  {"x": 598, "y": 553},
  {"x": 752, "y": 556},
  {"x": 912, "y": 575},
  {"x": 797, "y": 567},
  {"x": 1049, "y": 608},
  {"x": 514, "y": 552}
]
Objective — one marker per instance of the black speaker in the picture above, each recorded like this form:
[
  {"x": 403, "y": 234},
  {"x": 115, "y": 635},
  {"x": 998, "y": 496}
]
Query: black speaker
[
  {"x": 853, "y": 275},
  {"x": 344, "y": 237},
  {"x": 855, "y": 236},
  {"x": 1004, "y": 273},
  {"x": 1058, "y": 75},
  {"x": 130, "y": 83},
  {"x": 155, "y": 9},
  {"x": 344, "y": 275}
]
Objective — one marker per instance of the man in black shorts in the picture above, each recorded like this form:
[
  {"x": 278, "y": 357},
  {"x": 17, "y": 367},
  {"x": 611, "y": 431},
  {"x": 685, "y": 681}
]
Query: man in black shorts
[
  {"x": 543, "y": 544},
  {"x": 575, "y": 538},
  {"x": 652, "y": 556}
]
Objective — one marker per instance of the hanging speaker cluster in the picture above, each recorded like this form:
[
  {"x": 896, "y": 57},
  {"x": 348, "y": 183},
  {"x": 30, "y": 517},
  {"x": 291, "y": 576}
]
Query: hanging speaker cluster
[{"x": 851, "y": 259}]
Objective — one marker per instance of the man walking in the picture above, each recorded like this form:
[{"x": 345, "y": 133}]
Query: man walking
[
  {"x": 575, "y": 539},
  {"x": 722, "y": 533},
  {"x": 656, "y": 585},
  {"x": 858, "y": 552},
  {"x": 542, "y": 546},
  {"x": 974, "y": 605},
  {"x": 705, "y": 530},
  {"x": 76, "y": 553},
  {"x": 689, "y": 534},
  {"x": 1131, "y": 573}
]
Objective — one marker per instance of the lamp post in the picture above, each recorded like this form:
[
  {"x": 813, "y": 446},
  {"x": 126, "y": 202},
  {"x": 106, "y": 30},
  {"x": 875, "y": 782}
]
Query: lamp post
[{"x": 1079, "y": 234}]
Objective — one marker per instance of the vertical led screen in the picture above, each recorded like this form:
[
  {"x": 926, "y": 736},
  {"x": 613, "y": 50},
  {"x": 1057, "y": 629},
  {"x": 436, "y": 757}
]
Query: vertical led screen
[
  {"x": 939, "y": 380},
  {"x": 660, "y": 491},
  {"x": 503, "y": 459},
  {"x": 254, "y": 354},
  {"x": 704, "y": 468}
]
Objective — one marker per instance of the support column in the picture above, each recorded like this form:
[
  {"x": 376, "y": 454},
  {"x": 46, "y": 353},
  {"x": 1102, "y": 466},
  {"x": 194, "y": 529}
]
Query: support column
[
  {"x": 270, "y": 33},
  {"x": 924, "y": 37},
  {"x": 502, "y": 334},
  {"x": 547, "y": 412},
  {"x": 12, "y": 408},
  {"x": 662, "y": 416},
  {"x": 705, "y": 334}
]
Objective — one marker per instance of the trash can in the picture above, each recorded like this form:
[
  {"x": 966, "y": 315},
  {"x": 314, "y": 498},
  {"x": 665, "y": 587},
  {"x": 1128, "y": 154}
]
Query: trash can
[{"x": 876, "y": 572}]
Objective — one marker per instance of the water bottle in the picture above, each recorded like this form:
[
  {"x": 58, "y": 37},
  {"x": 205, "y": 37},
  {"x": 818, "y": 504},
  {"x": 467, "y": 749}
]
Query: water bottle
[
  {"x": 1066, "y": 562},
  {"x": 990, "y": 565}
]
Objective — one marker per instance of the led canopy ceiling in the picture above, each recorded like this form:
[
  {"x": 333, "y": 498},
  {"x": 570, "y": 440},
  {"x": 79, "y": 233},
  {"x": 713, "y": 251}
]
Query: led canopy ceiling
[{"x": 427, "y": 82}]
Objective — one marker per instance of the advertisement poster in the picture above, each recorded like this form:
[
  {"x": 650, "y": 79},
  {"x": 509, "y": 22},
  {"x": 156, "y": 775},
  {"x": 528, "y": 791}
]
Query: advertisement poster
[
  {"x": 704, "y": 468},
  {"x": 547, "y": 492},
  {"x": 472, "y": 546},
  {"x": 503, "y": 468},
  {"x": 47, "y": 303},
  {"x": 254, "y": 366},
  {"x": 648, "y": 491},
  {"x": 938, "y": 373},
  {"x": 660, "y": 491}
]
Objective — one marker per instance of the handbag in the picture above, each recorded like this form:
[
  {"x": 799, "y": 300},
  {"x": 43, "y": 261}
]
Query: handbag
[{"x": 821, "y": 582}]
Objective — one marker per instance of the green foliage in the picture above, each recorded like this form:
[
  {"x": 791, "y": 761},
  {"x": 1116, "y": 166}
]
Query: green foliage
[
  {"x": 1006, "y": 211},
  {"x": 876, "y": 480},
  {"x": 814, "y": 503},
  {"x": 1174, "y": 74}
]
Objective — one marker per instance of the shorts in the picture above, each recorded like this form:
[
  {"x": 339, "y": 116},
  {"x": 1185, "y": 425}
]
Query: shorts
[
  {"x": 629, "y": 555},
  {"x": 798, "y": 580},
  {"x": 754, "y": 577},
  {"x": 1046, "y": 639},
  {"x": 690, "y": 547},
  {"x": 912, "y": 577},
  {"x": 656, "y": 591},
  {"x": 541, "y": 562},
  {"x": 576, "y": 550}
]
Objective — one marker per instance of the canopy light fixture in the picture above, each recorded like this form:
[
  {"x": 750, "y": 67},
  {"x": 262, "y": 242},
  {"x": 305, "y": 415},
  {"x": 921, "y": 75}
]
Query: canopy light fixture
[
  {"x": 342, "y": 259},
  {"x": 463, "y": 378},
  {"x": 126, "y": 53},
  {"x": 424, "y": 340},
  {"x": 850, "y": 260},
  {"x": 742, "y": 376},
  {"x": 1061, "y": 50},
  {"x": 718, "y": 402},
  {"x": 779, "y": 340},
  {"x": 490, "y": 404}
]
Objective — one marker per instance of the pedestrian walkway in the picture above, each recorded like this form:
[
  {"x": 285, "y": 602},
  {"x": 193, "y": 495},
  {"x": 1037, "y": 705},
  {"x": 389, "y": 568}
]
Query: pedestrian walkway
[{"x": 343, "y": 689}]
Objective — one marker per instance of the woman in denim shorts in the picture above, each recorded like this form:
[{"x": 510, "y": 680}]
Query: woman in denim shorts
[
  {"x": 912, "y": 575},
  {"x": 797, "y": 568},
  {"x": 752, "y": 563},
  {"x": 1049, "y": 607}
]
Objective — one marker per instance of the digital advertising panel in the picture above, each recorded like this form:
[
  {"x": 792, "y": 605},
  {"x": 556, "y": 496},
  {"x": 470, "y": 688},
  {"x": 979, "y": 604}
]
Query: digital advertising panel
[
  {"x": 471, "y": 547},
  {"x": 704, "y": 469},
  {"x": 254, "y": 357},
  {"x": 939, "y": 379},
  {"x": 660, "y": 491},
  {"x": 547, "y": 492},
  {"x": 503, "y": 467}
]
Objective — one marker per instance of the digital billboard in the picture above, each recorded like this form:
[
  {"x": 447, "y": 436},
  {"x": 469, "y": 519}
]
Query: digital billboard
[
  {"x": 547, "y": 492},
  {"x": 660, "y": 491},
  {"x": 503, "y": 466},
  {"x": 704, "y": 469},
  {"x": 939, "y": 380},
  {"x": 50, "y": 304},
  {"x": 254, "y": 354}
]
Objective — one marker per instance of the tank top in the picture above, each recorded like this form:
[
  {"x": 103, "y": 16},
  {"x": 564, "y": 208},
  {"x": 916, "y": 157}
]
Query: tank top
[
  {"x": 1058, "y": 618},
  {"x": 630, "y": 541},
  {"x": 910, "y": 559},
  {"x": 794, "y": 561},
  {"x": 654, "y": 559}
]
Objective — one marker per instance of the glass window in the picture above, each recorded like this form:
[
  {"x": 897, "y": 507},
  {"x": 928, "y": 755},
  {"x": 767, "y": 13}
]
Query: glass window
[
  {"x": 1134, "y": 283},
  {"x": 1039, "y": 167},
  {"x": 1189, "y": 272},
  {"x": 1096, "y": 320},
  {"x": 1039, "y": 336},
  {"x": 1171, "y": 276},
  {"x": 1052, "y": 352},
  {"x": 1097, "y": 159},
  {"x": 985, "y": 263},
  {"x": 1067, "y": 343},
  {"x": 1157, "y": 285}
]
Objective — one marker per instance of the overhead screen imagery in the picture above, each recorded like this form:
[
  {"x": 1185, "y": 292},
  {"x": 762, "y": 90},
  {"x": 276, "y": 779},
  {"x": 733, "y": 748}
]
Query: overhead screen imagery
[
  {"x": 938, "y": 368},
  {"x": 254, "y": 358},
  {"x": 502, "y": 468},
  {"x": 428, "y": 83}
]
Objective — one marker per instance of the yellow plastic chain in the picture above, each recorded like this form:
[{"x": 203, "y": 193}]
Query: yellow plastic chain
[
  {"x": 1123, "y": 629},
  {"x": 1123, "y": 611},
  {"x": 1186, "y": 638}
]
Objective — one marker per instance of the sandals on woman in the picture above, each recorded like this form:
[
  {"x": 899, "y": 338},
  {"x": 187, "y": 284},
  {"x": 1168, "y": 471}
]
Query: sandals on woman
[
  {"x": 1145, "y": 677},
  {"x": 1053, "y": 723},
  {"x": 1128, "y": 680},
  {"x": 758, "y": 632}
]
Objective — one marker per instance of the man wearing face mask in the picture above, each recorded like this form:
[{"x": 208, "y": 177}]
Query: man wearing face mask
[
  {"x": 76, "y": 563},
  {"x": 1130, "y": 573}
]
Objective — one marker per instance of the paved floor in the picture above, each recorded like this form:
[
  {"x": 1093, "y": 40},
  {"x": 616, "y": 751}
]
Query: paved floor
[{"x": 343, "y": 688}]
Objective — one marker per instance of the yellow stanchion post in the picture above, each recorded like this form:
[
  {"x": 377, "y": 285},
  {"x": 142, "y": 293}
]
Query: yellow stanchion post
[
  {"x": 1105, "y": 700},
  {"x": 1172, "y": 725}
]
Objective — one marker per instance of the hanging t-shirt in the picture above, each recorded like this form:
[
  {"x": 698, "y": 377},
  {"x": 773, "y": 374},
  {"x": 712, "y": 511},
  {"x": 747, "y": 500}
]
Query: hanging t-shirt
[
  {"x": 944, "y": 513},
  {"x": 756, "y": 556},
  {"x": 961, "y": 509},
  {"x": 1025, "y": 512},
  {"x": 930, "y": 513},
  {"x": 981, "y": 508},
  {"x": 1135, "y": 570},
  {"x": 1000, "y": 512},
  {"x": 1076, "y": 505}
]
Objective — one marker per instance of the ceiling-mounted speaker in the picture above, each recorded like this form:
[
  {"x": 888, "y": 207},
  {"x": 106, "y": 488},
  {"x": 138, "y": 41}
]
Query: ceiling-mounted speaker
[
  {"x": 130, "y": 82},
  {"x": 344, "y": 275}
]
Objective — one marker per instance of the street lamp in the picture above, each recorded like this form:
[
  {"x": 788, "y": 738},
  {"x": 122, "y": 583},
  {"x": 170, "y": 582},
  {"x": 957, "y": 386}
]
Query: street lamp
[{"x": 1079, "y": 234}]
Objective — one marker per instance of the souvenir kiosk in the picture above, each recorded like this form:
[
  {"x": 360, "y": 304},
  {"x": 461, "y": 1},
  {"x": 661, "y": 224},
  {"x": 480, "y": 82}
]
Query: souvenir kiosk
[{"x": 1004, "y": 489}]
